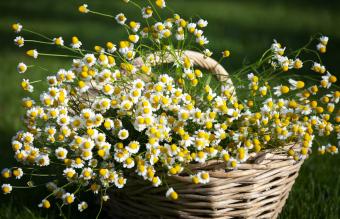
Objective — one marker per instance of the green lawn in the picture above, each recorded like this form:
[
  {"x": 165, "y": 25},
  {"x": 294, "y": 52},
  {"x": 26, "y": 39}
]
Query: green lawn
[{"x": 244, "y": 27}]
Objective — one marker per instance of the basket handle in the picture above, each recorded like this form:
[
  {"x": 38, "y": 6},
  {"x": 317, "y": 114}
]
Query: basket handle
[{"x": 198, "y": 59}]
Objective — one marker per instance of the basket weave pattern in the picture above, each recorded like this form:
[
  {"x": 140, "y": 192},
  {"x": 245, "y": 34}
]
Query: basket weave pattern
[{"x": 254, "y": 190}]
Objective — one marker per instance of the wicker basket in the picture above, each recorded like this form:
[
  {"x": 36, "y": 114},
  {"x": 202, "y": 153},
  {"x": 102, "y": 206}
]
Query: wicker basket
[{"x": 256, "y": 189}]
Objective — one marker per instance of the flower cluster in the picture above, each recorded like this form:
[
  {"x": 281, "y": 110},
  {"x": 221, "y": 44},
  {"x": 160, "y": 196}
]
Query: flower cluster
[{"x": 109, "y": 117}]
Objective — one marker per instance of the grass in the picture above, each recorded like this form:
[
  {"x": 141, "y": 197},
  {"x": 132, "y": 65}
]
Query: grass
[{"x": 245, "y": 27}]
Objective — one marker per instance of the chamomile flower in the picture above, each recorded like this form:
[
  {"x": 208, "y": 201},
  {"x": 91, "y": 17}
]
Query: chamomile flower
[
  {"x": 18, "y": 173},
  {"x": 321, "y": 48},
  {"x": 207, "y": 53},
  {"x": 44, "y": 204},
  {"x": 203, "y": 177},
  {"x": 17, "y": 27},
  {"x": 32, "y": 53},
  {"x": 171, "y": 194},
  {"x": 160, "y": 3},
  {"x": 134, "y": 26},
  {"x": 68, "y": 198},
  {"x": 89, "y": 59},
  {"x": 123, "y": 134},
  {"x": 202, "y": 40},
  {"x": 280, "y": 90},
  {"x": 156, "y": 181},
  {"x": 61, "y": 153},
  {"x": 76, "y": 43},
  {"x": 6, "y": 188},
  {"x": 296, "y": 84},
  {"x": 69, "y": 173},
  {"x": 129, "y": 163},
  {"x": 19, "y": 41},
  {"x": 120, "y": 18},
  {"x": 147, "y": 12},
  {"x": 133, "y": 147},
  {"x": 82, "y": 206},
  {"x": 324, "y": 40},
  {"x": 58, "y": 41},
  {"x": 22, "y": 67},
  {"x": 120, "y": 182},
  {"x": 6, "y": 173},
  {"x": 87, "y": 173},
  {"x": 202, "y": 23},
  {"x": 317, "y": 67},
  {"x": 83, "y": 8},
  {"x": 43, "y": 160},
  {"x": 191, "y": 27}
]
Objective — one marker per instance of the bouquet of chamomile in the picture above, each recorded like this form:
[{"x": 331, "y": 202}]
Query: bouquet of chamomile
[{"x": 108, "y": 118}]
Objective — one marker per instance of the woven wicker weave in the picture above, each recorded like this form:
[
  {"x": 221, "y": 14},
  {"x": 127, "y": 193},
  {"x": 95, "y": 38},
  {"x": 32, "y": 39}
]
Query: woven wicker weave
[
  {"x": 253, "y": 190},
  {"x": 256, "y": 189}
]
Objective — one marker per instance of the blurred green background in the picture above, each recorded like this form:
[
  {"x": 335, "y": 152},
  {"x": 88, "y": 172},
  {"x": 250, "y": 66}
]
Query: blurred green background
[{"x": 245, "y": 27}]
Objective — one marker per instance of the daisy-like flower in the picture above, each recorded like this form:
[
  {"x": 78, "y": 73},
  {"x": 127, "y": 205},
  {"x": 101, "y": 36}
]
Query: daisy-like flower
[
  {"x": 296, "y": 84},
  {"x": 18, "y": 173},
  {"x": 156, "y": 181},
  {"x": 19, "y": 41},
  {"x": 328, "y": 80},
  {"x": 232, "y": 163},
  {"x": 324, "y": 40},
  {"x": 207, "y": 53},
  {"x": 32, "y": 53},
  {"x": 83, "y": 8},
  {"x": 6, "y": 188},
  {"x": 321, "y": 48},
  {"x": 160, "y": 3},
  {"x": 78, "y": 163},
  {"x": 111, "y": 48},
  {"x": 298, "y": 63},
  {"x": 87, "y": 173},
  {"x": 147, "y": 12},
  {"x": 123, "y": 134},
  {"x": 43, "y": 160},
  {"x": 27, "y": 137},
  {"x": 203, "y": 177},
  {"x": 69, "y": 173},
  {"x": 191, "y": 27},
  {"x": 61, "y": 153},
  {"x": 82, "y": 206},
  {"x": 126, "y": 105},
  {"x": 76, "y": 43},
  {"x": 133, "y": 147},
  {"x": 202, "y": 40},
  {"x": 22, "y": 67},
  {"x": 120, "y": 18},
  {"x": 90, "y": 59},
  {"x": 129, "y": 163},
  {"x": 332, "y": 149},
  {"x": 202, "y": 23},
  {"x": 6, "y": 173},
  {"x": 120, "y": 182},
  {"x": 201, "y": 157},
  {"x": 17, "y": 27},
  {"x": 134, "y": 38},
  {"x": 68, "y": 198},
  {"x": 226, "y": 53},
  {"x": 134, "y": 26},
  {"x": 279, "y": 90},
  {"x": 263, "y": 90},
  {"x": 58, "y": 41},
  {"x": 171, "y": 194},
  {"x": 44, "y": 204},
  {"x": 317, "y": 67}
]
